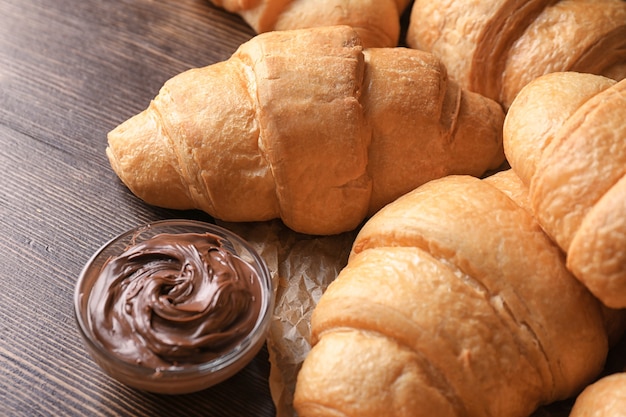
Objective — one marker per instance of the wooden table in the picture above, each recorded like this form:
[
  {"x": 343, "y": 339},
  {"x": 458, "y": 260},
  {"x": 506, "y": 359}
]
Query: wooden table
[{"x": 70, "y": 71}]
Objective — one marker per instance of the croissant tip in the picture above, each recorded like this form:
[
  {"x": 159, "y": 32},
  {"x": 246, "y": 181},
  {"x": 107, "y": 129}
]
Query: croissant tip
[
  {"x": 143, "y": 160},
  {"x": 125, "y": 139}
]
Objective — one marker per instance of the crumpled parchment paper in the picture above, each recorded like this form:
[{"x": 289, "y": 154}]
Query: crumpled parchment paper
[{"x": 301, "y": 266}]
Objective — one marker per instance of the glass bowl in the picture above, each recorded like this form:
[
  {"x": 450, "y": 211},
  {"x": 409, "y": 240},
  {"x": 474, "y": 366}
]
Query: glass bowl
[{"x": 180, "y": 375}]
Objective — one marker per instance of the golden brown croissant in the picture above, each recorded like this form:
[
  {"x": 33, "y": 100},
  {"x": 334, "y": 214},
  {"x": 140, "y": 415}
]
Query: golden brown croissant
[
  {"x": 495, "y": 47},
  {"x": 604, "y": 398},
  {"x": 454, "y": 302},
  {"x": 376, "y": 21},
  {"x": 307, "y": 126},
  {"x": 564, "y": 136}
]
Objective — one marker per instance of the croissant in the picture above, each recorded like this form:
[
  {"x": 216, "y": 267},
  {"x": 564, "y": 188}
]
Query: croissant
[
  {"x": 306, "y": 126},
  {"x": 572, "y": 158},
  {"x": 604, "y": 398},
  {"x": 376, "y": 21},
  {"x": 495, "y": 47},
  {"x": 454, "y": 302}
]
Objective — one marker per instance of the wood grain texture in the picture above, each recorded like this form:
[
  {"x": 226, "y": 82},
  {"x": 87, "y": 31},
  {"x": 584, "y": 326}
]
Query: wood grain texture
[{"x": 70, "y": 71}]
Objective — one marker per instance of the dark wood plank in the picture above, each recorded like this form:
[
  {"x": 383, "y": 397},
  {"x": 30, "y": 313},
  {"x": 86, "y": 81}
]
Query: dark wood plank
[{"x": 69, "y": 72}]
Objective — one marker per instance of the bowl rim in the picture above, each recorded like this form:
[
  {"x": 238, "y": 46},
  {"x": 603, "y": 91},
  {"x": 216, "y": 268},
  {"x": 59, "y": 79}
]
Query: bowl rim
[{"x": 212, "y": 366}]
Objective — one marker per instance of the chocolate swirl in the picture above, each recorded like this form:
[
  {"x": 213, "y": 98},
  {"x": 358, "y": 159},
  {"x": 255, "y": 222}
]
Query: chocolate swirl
[{"x": 174, "y": 299}]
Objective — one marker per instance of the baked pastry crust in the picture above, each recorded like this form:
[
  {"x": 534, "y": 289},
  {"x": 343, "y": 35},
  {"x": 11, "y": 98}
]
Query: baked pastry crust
[
  {"x": 495, "y": 47},
  {"x": 447, "y": 307},
  {"x": 573, "y": 160},
  {"x": 247, "y": 140}
]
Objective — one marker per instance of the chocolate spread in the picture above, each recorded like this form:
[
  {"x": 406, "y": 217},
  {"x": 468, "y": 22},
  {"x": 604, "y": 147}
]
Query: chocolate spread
[{"x": 174, "y": 299}]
